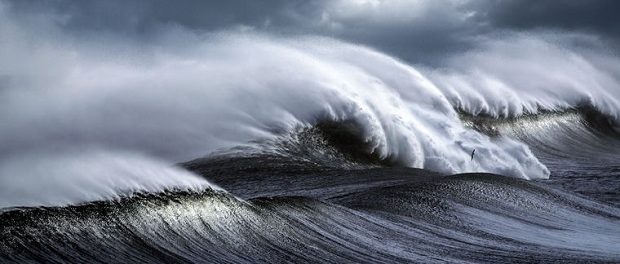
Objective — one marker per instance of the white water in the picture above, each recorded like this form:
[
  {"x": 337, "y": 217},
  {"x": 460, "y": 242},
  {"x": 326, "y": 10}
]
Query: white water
[
  {"x": 55, "y": 179},
  {"x": 186, "y": 95},
  {"x": 524, "y": 73}
]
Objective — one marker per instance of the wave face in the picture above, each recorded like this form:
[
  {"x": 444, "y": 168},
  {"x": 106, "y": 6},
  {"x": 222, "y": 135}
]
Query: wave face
[{"x": 370, "y": 216}]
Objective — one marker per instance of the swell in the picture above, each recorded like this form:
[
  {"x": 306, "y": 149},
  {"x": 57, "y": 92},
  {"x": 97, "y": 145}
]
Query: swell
[
  {"x": 581, "y": 134},
  {"x": 488, "y": 217}
]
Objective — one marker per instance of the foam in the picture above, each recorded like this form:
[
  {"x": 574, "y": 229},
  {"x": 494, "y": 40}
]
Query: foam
[{"x": 57, "y": 179}]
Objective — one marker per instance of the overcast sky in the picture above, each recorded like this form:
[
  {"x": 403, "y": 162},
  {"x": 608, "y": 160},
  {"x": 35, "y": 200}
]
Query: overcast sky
[{"x": 417, "y": 31}]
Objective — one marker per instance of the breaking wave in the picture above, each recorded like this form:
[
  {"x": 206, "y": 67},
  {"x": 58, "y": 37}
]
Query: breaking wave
[{"x": 187, "y": 95}]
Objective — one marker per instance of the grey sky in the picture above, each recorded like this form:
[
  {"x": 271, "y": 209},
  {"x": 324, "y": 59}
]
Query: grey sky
[{"x": 417, "y": 31}]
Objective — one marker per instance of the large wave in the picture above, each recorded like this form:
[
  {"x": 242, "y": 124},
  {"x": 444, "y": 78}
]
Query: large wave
[{"x": 184, "y": 95}]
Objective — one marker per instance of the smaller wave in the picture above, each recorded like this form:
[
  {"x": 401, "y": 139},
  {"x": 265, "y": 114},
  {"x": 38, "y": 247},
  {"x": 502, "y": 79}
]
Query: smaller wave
[
  {"x": 58, "y": 179},
  {"x": 580, "y": 133},
  {"x": 580, "y": 146}
]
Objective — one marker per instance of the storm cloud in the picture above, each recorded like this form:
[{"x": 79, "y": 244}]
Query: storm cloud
[{"x": 422, "y": 32}]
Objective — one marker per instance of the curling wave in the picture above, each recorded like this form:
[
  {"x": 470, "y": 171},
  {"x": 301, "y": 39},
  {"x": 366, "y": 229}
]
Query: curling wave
[{"x": 186, "y": 95}]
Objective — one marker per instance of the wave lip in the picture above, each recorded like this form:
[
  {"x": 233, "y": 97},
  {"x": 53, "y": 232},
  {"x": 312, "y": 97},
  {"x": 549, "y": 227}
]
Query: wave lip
[{"x": 61, "y": 179}]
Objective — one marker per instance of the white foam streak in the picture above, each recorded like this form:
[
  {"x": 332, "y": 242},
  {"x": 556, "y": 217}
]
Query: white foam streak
[
  {"x": 527, "y": 73},
  {"x": 55, "y": 179}
]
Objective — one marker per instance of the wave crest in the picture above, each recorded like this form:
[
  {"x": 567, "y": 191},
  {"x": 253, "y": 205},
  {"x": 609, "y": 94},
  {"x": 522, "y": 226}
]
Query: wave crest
[
  {"x": 177, "y": 101},
  {"x": 234, "y": 89}
]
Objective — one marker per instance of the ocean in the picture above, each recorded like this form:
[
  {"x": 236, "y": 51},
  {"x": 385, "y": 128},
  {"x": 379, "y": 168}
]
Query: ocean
[{"x": 259, "y": 149}]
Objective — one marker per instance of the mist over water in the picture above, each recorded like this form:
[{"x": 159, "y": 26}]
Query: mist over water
[
  {"x": 526, "y": 73},
  {"x": 183, "y": 95},
  {"x": 56, "y": 179}
]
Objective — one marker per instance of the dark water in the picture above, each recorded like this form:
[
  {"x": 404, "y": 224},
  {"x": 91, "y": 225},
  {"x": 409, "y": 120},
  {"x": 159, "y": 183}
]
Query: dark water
[{"x": 320, "y": 198}]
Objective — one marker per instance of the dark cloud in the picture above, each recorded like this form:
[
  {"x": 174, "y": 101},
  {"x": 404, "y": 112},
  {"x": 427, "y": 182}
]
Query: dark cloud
[
  {"x": 598, "y": 16},
  {"x": 139, "y": 16},
  {"x": 417, "y": 31}
]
